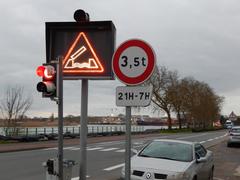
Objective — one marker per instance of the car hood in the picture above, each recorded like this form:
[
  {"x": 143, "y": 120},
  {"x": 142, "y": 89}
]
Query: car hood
[{"x": 159, "y": 164}]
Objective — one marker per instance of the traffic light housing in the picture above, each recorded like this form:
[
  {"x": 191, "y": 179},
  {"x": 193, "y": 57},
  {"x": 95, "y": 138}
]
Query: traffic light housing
[{"x": 48, "y": 85}]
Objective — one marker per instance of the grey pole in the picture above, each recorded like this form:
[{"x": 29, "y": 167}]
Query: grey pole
[
  {"x": 128, "y": 144},
  {"x": 60, "y": 118},
  {"x": 84, "y": 130}
]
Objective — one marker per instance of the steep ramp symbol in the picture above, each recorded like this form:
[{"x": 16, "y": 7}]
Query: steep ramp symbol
[{"x": 81, "y": 57}]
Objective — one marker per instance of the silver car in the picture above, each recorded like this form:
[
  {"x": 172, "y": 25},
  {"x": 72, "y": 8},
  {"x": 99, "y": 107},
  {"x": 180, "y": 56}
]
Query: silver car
[
  {"x": 172, "y": 159},
  {"x": 234, "y": 136}
]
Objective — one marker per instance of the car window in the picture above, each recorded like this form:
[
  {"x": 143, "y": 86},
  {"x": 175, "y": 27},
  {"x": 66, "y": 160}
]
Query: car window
[
  {"x": 200, "y": 150},
  {"x": 168, "y": 150}
]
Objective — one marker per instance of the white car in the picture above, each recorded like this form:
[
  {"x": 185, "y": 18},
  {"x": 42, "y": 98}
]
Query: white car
[
  {"x": 234, "y": 136},
  {"x": 172, "y": 159}
]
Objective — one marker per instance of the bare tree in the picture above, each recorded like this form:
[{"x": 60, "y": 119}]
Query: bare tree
[
  {"x": 162, "y": 80},
  {"x": 13, "y": 107},
  {"x": 191, "y": 100},
  {"x": 176, "y": 94}
]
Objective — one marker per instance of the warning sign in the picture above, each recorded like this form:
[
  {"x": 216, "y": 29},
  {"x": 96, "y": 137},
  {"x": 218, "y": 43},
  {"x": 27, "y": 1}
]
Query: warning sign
[
  {"x": 86, "y": 49},
  {"x": 81, "y": 57}
]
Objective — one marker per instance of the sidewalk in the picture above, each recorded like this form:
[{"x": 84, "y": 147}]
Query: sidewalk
[
  {"x": 227, "y": 162},
  {"x": 22, "y": 146}
]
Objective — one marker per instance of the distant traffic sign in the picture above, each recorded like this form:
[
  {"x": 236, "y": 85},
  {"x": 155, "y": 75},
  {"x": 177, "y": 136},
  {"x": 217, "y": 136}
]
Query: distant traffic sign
[
  {"x": 133, "y": 62},
  {"x": 133, "y": 95}
]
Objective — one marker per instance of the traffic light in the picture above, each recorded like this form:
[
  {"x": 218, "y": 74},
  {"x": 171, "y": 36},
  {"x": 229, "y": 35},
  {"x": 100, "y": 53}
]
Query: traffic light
[{"x": 48, "y": 85}]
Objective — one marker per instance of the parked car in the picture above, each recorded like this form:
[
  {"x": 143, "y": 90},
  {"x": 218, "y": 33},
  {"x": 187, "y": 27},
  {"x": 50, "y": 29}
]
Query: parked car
[
  {"x": 69, "y": 135},
  {"x": 234, "y": 136},
  {"x": 172, "y": 159}
]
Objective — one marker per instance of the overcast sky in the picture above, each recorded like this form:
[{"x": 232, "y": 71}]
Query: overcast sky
[{"x": 197, "y": 38}]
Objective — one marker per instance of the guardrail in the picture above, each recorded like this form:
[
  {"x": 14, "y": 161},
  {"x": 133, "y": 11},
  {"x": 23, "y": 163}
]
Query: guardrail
[{"x": 74, "y": 130}]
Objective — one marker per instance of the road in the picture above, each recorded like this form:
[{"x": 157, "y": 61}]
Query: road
[{"x": 105, "y": 159}]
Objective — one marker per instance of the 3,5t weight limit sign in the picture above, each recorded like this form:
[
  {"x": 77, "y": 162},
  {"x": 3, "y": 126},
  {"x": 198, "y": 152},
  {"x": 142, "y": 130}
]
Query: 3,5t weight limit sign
[{"x": 133, "y": 62}]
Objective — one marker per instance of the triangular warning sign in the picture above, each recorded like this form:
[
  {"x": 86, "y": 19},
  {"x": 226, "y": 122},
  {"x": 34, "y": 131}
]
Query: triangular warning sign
[{"x": 81, "y": 57}]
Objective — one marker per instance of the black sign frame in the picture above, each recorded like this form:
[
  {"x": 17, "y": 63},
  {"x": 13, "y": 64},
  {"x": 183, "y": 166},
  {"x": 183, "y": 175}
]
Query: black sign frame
[{"x": 101, "y": 34}]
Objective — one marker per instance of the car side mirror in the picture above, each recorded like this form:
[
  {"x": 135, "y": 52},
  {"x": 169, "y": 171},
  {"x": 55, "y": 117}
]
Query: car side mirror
[{"x": 201, "y": 160}]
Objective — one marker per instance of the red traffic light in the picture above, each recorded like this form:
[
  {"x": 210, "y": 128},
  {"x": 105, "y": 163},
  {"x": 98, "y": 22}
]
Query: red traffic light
[
  {"x": 40, "y": 71},
  {"x": 47, "y": 72},
  {"x": 48, "y": 85}
]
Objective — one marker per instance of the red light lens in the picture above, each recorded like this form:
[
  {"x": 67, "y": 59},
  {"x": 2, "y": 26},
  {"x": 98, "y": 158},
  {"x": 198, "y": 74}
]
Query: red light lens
[{"x": 40, "y": 71}]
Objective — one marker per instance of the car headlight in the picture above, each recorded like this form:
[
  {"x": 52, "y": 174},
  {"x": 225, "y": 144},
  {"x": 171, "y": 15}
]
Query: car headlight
[{"x": 181, "y": 176}]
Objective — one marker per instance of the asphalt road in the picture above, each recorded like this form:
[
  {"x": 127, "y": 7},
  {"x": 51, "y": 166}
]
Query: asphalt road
[{"x": 104, "y": 159}]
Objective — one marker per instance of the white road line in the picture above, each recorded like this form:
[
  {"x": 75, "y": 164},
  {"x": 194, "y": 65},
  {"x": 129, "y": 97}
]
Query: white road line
[
  {"x": 69, "y": 148},
  {"x": 92, "y": 149},
  {"x": 109, "y": 149},
  {"x": 109, "y": 143},
  {"x": 77, "y": 178},
  {"x": 114, "y": 167},
  {"x": 75, "y": 149},
  {"x": 237, "y": 170},
  {"x": 212, "y": 139},
  {"x": 120, "y": 151},
  {"x": 138, "y": 143},
  {"x": 188, "y": 137}
]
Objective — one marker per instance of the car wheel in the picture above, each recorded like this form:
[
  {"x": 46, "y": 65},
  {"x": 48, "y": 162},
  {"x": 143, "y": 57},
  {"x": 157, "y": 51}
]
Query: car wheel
[
  {"x": 211, "y": 174},
  {"x": 195, "y": 178}
]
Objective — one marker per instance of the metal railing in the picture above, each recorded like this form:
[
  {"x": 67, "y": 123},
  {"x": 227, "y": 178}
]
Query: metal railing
[{"x": 35, "y": 131}]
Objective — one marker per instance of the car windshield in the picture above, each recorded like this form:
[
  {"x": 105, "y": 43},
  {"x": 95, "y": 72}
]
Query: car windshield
[{"x": 168, "y": 150}]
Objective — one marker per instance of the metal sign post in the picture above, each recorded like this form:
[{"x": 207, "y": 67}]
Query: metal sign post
[
  {"x": 83, "y": 130},
  {"x": 87, "y": 57},
  {"x": 60, "y": 118},
  {"x": 133, "y": 63},
  {"x": 128, "y": 144}
]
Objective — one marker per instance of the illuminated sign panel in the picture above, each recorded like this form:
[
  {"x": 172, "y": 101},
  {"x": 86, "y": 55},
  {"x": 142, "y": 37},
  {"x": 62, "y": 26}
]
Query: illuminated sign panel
[
  {"x": 87, "y": 48},
  {"x": 82, "y": 58}
]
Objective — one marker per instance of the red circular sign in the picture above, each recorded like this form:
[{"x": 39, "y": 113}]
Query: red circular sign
[{"x": 133, "y": 62}]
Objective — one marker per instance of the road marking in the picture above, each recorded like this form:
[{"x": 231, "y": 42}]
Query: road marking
[
  {"x": 92, "y": 149},
  {"x": 109, "y": 149},
  {"x": 202, "y": 142},
  {"x": 75, "y": 149},
  {"x": 138, "y": 143},
  {"x": 188, "y": 137},
  {"x": 69, "y": 148},
  {"x": 109, "y": 143},
  {"x": 114, "y": 167},
  {"x": 77, "y": 178},
  {"x": 121, "y": 150},
  {"x": 237, "y": 171}
]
